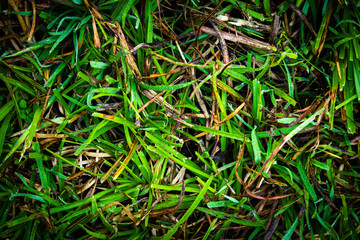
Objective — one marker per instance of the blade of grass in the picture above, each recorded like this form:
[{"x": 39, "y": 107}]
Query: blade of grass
[{"x": 190, "y": 210}]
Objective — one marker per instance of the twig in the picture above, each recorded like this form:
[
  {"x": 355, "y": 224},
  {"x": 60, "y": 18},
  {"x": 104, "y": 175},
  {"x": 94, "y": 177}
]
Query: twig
[{"x": 240, "y": 39}]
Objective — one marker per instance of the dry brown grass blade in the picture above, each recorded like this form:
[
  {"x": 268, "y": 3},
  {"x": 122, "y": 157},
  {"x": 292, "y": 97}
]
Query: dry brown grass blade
[
  {"x": 207, "y": 18},
  {"x": 221, "y": 85},
  {"x": 129, "y": 57},
  {"x": 268, "y": 160},
  {"x": 87, "y": 185},
  {"x": 224, "y": 50},
  {"x": 32, "y": 29},
  {"x": 78, "y": 174},
  {"x": 97, "y": 43},
  {"x": 222, "y": 44},
  {"x": 151, "y": 94},
  {"x": 275, "y": 28},
  {"x": 302, "y": 17},
  {"x": 272, "y": 228},
  {"x": 159, "y": 44},
  {"x": 45, "y": 104},
  {"x": 125, "y": 210},
  {"x": 127, "y": 159},
  {"x": 239, "y": 39},
  {"x": 199, "y": 97},
  {"x": 159, "y": 212},
  {"x": 231, "y": 115},
  {"x": 323, "y": 37},
  {"x": 196, "y": 136},
  {"x": 107, "y": 174},
  {"x": 272, "y": 211},
  {"x": 337, "y": 64},
  {"x": 77, "y": 116},
  {"x": 48, "y": 136},
  {"x": 306, "y": 112},
  {"x": 164, "y": 74},
  {"x": 19, "y": 17},
  {"x": 318, "y": 187},
  {"x": 116, "y": 28},
  {"x": 163, "y": 29},
  {"x": 239, "y": 157},
  {"x": 129, "y": 213}
]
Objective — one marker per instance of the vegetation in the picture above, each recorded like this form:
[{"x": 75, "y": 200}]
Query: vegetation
[{"x": 187, "y": 119}]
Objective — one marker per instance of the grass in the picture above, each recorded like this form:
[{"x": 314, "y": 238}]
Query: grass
[{"x": 179, "y": 120}]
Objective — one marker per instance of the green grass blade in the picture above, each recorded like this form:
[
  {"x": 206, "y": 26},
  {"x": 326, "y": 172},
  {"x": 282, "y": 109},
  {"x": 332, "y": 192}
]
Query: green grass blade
[{"x": 190, "y": 210}]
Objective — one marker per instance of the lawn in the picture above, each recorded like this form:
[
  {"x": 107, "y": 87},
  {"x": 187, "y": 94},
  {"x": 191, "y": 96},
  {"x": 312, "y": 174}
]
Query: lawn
[{"x": 187, "y": 119}]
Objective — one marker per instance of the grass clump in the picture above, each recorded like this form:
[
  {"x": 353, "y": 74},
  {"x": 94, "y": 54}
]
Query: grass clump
[{"x": 167, "y": 119}]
